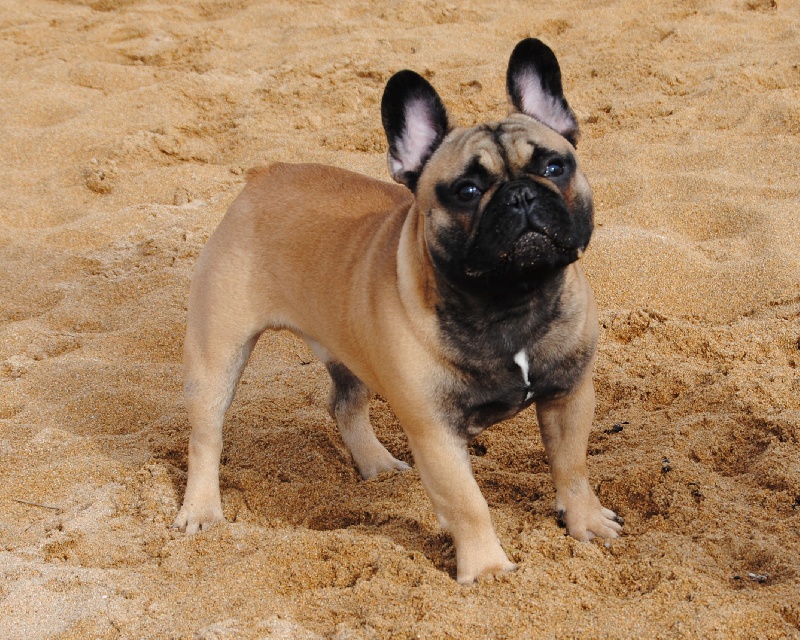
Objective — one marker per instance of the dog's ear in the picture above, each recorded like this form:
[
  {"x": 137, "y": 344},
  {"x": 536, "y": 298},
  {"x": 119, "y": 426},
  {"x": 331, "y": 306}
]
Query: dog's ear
[
  {"x": 415, "y": 122},
  {"x": 534, "y": 87}
]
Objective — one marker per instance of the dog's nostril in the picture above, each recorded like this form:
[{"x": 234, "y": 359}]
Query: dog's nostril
[{"x": 521, "y": 199}]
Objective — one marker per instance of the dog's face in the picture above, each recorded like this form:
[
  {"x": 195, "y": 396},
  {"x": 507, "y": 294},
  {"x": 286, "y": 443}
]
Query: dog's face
[{"x": 505, "y": 203}]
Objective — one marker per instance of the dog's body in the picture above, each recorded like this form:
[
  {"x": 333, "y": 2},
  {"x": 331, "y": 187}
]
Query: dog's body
[{"x": 461, "y": 303}]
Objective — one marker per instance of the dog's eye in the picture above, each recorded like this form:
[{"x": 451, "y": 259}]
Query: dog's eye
[
  {"x": 553, "y": 169},
  {"x": 468, "y": 192}
]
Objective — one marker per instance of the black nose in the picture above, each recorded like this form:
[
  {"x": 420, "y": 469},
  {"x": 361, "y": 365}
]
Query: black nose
[
  {"x": 521, "y": 199},
  {"x": 524, "y": 200}
]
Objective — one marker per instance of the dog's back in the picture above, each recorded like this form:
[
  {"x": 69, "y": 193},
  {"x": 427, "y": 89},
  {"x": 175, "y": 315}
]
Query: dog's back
[{"x": 321, "y": 189}]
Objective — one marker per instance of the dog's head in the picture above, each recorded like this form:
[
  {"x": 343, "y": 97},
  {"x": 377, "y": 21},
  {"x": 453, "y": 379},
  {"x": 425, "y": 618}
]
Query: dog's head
[{"x": 506, "y": 202}]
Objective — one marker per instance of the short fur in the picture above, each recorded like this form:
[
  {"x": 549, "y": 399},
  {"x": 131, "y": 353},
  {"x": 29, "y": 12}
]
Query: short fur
[{"x": 459, "y": 299}]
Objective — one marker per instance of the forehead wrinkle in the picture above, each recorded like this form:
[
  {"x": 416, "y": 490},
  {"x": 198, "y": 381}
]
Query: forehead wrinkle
[
  {"x": 497, "y": 136},
  {"x": 486, "y": 150},
  {"x": 517, "y": 148}
]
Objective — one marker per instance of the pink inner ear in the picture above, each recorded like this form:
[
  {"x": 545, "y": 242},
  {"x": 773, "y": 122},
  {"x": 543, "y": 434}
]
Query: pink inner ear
[
  {"x": 418, "y": 137},
  {"x": 543, "y": 106}
]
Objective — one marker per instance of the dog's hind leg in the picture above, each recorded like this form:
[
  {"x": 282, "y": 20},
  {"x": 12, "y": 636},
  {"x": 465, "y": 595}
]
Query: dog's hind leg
[
  {"x": 220, "y": 335},
  {"x": 348, "y": 404}
]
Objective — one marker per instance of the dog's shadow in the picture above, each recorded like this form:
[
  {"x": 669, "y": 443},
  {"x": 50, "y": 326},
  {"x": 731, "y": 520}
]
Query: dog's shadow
[
  {"x": 299, "y": 473},
  {"x": 413, "y": 536},
  {"x": 348, "y": 505}
]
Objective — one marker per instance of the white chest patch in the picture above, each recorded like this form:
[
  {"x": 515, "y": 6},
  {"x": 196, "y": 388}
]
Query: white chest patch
[{"x": 521, "y": 359}]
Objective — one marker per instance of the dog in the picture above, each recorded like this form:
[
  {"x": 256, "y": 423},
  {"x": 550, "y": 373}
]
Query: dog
[{"x": 457, "y": 295}]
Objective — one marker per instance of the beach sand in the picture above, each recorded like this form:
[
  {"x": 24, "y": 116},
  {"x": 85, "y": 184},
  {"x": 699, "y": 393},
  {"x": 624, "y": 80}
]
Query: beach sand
[{"x": 127, "y": 128}]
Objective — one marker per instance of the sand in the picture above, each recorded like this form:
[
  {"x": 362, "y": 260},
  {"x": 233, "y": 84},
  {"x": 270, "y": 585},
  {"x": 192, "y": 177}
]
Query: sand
[{"x": 127, "y": 127}]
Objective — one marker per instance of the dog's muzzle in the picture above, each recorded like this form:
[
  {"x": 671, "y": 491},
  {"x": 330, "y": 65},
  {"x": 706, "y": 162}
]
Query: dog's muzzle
[{"x": 526, "y": 227}]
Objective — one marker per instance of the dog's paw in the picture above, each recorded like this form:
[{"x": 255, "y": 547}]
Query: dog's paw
[
  {"x": 585, "y": 518},
  {"x": 479, "y": 566},
  {"x": 191, "y": 520},
  {"x": 378, "y": 461}
]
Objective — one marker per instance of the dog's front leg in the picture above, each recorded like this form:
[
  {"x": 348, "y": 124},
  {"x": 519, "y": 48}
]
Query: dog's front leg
[
  {"x": 443, "y": 462},
  {"x": 565, "y": 424}
]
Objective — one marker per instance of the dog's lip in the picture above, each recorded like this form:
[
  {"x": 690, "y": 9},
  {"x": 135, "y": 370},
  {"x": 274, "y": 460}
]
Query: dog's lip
[
  {"x": 531, "y": 235},
  {"x": 519, "y": 251},
  {"x": 537, "y": 230}
]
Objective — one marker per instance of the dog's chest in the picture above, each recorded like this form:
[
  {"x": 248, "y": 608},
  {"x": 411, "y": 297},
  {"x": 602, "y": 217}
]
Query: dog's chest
[{"x": 505, "y": 385}]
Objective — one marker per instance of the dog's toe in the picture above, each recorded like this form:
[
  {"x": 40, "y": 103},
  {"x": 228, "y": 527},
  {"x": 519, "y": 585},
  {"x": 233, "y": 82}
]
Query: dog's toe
[{"x": 191, "y": 522}]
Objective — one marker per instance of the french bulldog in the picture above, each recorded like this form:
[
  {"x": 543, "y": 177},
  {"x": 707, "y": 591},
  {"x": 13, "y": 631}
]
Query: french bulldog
[{"x": 457, "y": 295}]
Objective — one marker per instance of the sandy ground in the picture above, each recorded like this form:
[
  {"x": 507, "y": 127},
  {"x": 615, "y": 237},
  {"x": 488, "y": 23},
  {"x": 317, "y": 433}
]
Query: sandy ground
[{"x": 127, "y": 126}]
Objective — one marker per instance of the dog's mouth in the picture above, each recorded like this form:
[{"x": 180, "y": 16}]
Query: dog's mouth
[
  {"x": 513, "y": 249},
  {"x": 538, "y": 248},
  {"x": 533, "y": 250}
]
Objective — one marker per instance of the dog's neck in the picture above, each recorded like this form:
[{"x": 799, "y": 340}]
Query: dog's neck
[
  {"x": 489, "y": 331},
  {"x": 517, "y": 309},
  {"x": 416, "y": 283}
]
